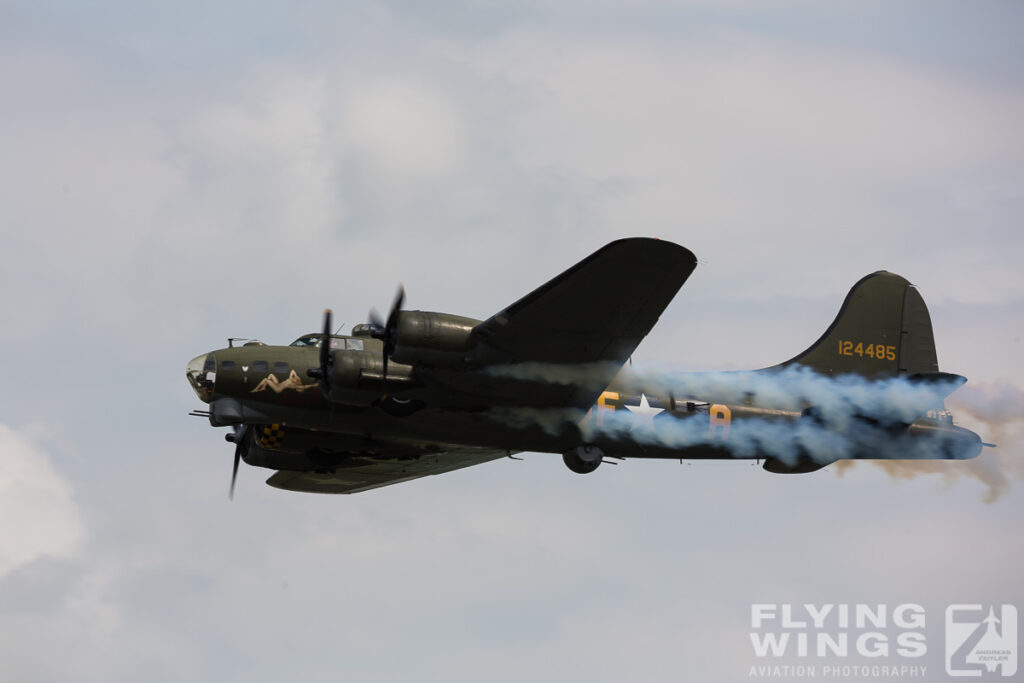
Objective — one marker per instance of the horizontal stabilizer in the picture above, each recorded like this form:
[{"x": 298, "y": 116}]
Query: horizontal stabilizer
[
  {"x": 801, "y": 466},
  {"x": 951, "y": 381}
]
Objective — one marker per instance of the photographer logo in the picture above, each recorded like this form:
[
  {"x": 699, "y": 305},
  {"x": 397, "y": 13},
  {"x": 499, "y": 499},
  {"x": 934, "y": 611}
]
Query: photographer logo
[{"x": 981, "y": 640}]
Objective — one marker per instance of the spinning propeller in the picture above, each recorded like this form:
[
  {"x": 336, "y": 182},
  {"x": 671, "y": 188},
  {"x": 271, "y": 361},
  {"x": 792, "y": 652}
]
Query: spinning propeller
[
  {"x": 237, "y": 437},
  {"x": 387, "y": 332},
  {"x": 323, "y": 372}
]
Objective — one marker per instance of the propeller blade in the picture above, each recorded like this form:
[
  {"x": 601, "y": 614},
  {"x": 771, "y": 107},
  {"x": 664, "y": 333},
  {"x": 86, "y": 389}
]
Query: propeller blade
[
  {"x": 387, "y": 332},
  {"x": 376, "y": 321},
  {"x": 325, "y": 344},
  {"x": 323, "y": 372},
  {"x": 391, "y": 327},
  {"x": 237, "y": 437},
  {"x": 234, "y": 471},
  {"x": 396, "y": 308}
]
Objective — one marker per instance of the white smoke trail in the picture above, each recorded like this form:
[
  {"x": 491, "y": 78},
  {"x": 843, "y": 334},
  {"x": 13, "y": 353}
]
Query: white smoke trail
[
  {"x": 851, "y": 415},
  {"x": 594, "y": 376},
  {"x": 995, "y": 404},
  {"x": 996, "y": 411},
  {"x": 837, "y": 400},
  {"x": 986, "y": 468}
]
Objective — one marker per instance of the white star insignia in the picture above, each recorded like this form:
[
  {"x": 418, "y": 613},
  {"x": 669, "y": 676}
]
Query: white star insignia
[{"x": 643, "y": 414}]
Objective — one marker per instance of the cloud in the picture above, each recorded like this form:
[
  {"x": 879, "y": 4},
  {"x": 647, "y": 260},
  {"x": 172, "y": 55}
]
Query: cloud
[
  {"x": 408, "y": 130},
  {"x": 734, "y": 135},
  {"x": 169, "y": 182},
  {"x": 38, "y": 515}
]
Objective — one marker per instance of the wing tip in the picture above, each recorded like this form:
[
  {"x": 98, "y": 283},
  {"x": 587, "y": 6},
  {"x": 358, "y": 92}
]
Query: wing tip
[{"x": 652, "y": 245}]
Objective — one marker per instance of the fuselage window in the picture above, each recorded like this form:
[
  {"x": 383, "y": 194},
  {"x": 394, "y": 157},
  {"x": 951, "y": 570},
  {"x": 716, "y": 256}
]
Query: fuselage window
[
  {"x": 227, "y": 365},
  {"x": 354, "y": 344},
  {"x": 281, "y": 366},
  {"x": 259, "y": 366}
]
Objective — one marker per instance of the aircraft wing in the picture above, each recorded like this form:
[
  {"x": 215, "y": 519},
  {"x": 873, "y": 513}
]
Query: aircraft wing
[
  {"x": 597, "y": 311},
  {"x": 364, "y": 473}
]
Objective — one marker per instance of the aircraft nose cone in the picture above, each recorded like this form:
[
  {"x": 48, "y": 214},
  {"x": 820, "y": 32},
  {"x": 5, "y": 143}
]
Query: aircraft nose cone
[{"x": 202, "y": 375}]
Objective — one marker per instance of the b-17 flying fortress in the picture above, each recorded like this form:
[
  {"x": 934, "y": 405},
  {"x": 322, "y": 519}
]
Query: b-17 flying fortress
[{"x": 425, "y": 393}]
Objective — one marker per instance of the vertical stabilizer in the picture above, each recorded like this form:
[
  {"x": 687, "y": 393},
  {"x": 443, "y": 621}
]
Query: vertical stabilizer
[{"x": 882, "y": 330}]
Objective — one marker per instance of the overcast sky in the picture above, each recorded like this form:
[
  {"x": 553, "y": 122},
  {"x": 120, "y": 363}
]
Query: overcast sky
[{"x": 177, "y": 173}]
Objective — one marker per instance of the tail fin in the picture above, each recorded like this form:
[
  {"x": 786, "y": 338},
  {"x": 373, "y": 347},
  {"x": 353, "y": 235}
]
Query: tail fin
[{"x": 882, "y": 330}]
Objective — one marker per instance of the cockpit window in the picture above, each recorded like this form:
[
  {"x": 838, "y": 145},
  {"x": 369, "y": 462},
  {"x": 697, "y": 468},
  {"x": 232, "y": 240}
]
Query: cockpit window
[
  {"x": 337, "y": 343},
  {"x": 307, "y": 340}
]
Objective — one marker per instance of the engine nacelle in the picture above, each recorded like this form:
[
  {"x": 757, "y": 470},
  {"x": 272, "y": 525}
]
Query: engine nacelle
[
  {"x": 435, "y": 339},
  {"x": 277, "y": 447},
  {"x": 583, "y": 459},
  {"x": 349, "y": 367},
  {"x": 355, "y": 375}
]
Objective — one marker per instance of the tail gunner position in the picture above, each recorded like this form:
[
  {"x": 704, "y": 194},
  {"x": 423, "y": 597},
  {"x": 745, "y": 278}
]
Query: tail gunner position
[{"x": 424, "y": 393}]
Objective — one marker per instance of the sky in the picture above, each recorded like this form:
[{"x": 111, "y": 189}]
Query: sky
[{"x": 178, "y": 173}]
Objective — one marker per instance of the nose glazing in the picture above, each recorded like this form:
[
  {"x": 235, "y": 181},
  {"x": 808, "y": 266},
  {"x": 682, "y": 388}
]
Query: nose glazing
[{"x": 202, "y": 375}]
